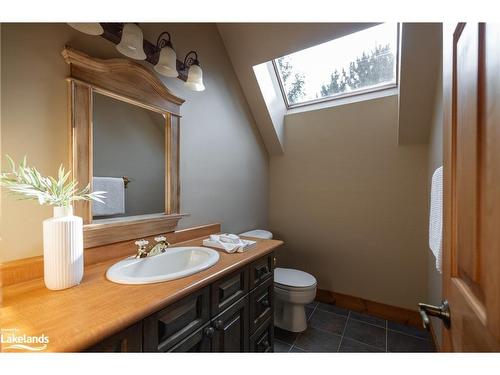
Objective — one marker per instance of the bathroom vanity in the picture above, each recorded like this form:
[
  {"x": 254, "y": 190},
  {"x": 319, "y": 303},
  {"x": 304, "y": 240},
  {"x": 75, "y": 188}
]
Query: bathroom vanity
[
  {"x": 228, "y": 307},
  {"x": 232, "y": 314}
]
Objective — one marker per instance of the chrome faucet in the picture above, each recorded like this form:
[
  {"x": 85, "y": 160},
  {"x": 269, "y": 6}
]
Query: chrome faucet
[{"x": 159, "y": 248}]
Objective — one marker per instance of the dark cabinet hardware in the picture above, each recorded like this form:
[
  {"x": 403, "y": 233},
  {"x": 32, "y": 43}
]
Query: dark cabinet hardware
[
  {"x": 219, "y": 324},
  {"x": 209, "y": 332},
  {"x": 265, "y": 303}
]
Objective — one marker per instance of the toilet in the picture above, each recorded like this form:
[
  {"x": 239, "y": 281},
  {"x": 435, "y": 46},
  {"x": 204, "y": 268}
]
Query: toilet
[{"x": 293, "y": 289}]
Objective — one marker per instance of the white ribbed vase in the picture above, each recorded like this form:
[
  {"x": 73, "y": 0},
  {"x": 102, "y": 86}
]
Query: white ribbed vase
[{"x": 63, "y": 249}]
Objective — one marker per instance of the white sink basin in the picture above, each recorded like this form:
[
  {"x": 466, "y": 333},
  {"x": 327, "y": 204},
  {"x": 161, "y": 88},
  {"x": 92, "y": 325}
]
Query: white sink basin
[{"x": 175, "y": 263}]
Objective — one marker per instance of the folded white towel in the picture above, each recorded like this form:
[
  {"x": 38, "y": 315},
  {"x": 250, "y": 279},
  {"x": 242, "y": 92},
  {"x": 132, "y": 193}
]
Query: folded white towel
[
  {"x": 436, "y": 217},
  {"x": 230, "y": 243},
  {"x": 114, "y": 203},
  {"x": 230, "y": 238}
]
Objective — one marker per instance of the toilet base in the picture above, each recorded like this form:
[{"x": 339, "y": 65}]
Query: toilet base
[{"x": 290, "y": 317}]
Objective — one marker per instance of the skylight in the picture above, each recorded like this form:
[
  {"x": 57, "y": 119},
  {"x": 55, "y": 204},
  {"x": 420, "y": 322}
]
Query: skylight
[{"x": 357, "y": 63}]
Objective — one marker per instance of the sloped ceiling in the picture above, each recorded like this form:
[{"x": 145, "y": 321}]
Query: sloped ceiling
[
  {"x": 421, "y": 54},
  {"x": 250, "y": 44}
]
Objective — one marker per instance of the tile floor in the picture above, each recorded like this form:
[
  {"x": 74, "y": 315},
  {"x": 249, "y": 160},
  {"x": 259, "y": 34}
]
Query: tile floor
[{"x": 334, "y": 329}]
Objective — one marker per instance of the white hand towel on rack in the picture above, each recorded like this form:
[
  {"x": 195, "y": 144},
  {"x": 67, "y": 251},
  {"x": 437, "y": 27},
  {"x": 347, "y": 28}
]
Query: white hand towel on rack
[
  {"x": 436, "y": 217},
  {"x": 114, "y": 203}
]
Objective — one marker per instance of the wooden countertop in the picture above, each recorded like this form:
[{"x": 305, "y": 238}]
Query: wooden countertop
[{"x": 77, "y": 318}]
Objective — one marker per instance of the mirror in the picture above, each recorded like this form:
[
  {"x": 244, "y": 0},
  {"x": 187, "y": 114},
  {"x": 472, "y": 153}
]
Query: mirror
[
  {"x": 123, "y": 123},
  {"x": 128, "y": 158}
]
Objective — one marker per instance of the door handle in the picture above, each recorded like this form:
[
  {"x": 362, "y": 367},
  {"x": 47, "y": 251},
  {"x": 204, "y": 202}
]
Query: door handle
[{"x": 442, "y": 312}]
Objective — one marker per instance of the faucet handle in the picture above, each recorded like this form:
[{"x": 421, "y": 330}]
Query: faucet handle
[
  {"x": 161, "y": 239},
  {"x": 141, "y": 243}
]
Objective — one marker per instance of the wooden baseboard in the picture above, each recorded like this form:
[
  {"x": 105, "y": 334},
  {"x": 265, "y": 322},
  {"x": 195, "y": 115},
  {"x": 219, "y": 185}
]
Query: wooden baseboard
[
  {"x": 381, "y": 310},
  {"x": 21, "y": 270}
]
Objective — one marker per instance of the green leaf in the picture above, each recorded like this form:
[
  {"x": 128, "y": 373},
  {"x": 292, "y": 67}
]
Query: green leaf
[{"x": 25, "y": 182}]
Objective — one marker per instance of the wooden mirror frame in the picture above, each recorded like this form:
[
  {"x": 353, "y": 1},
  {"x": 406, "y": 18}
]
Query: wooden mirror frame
[{"x": 133, "y": 83}]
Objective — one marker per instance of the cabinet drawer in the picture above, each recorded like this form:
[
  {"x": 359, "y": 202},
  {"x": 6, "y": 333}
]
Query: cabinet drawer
[
  {"x": 228, "y": 290},
  {"x": 169, "y": 326},
  {"x": 129, "y": 340},
  {"x": 261, "y": 269},
  {"x": 261, "y": 304},
  {"x": 197, "y": 342},
  {"x": 263, "y": 339},
  {"x": 230, "y": 328}
]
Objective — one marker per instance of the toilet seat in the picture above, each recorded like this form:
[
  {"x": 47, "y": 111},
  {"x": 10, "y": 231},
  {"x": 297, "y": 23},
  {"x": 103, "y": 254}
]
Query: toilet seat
[
  {"x": 288, "y": 288},
  {"x": 291, "y": 279}
]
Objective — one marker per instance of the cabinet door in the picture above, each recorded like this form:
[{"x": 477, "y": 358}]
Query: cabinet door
[
  {"x": 231, "y": 328},
  {"x": 261, "y": 270},
  {"x": 261, "y": 303},
  {"x": 228, "y": 290},
  {"x": 129, "y": 340},
  {"x": 198, "y": 342},
  {"x": 262, "y": 341},
  {"x": 166, "y": 328}
]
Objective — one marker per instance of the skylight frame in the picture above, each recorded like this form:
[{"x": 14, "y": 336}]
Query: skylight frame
[{"x": 372, "y": 89}]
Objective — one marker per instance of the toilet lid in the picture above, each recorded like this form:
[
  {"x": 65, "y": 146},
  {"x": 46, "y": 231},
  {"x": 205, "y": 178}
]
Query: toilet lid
[
  {"x": 294, "y": 278},
  {"x": 258, "y": 233}
]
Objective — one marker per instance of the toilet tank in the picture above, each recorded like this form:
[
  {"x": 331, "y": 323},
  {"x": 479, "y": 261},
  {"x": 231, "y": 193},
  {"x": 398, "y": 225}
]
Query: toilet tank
[{"x": 258, "y": 233}]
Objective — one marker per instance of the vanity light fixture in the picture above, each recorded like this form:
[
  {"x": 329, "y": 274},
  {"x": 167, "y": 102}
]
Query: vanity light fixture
[
  {"x": 131, "y": 44},
  {"x": 167, "y": 63},
  {"x": 89, "y": 28},
  {"x": 130, "y": 41},
  {"x": 195, "y": 74}
]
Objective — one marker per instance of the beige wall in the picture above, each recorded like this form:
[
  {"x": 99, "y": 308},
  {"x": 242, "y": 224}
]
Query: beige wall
[
  {"x": 224, "y": 165},
  {"x": 434, "y": 278},
  {"x": 420, "y": 56},
  {"x": 351, "y": 204}
]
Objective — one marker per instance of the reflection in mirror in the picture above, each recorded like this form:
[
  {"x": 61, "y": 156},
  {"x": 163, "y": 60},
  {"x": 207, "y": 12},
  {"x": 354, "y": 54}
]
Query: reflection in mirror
[{"x": 128, "y": 159}]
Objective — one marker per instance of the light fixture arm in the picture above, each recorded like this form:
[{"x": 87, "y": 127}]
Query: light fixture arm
[
  {"x": 163, "y": 42},
  {"x": 190, "y": 60}
]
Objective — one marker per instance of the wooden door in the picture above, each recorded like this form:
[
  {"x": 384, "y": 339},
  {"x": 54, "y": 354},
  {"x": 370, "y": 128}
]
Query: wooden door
[{"x": 471, "y": 259}]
